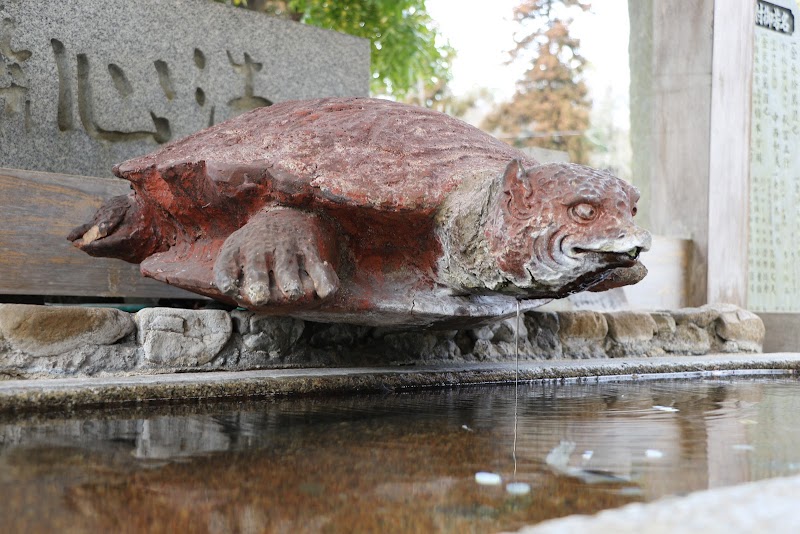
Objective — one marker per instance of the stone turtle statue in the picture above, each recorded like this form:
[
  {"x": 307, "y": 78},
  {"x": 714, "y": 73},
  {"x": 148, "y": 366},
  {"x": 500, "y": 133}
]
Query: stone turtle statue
[{"x": 368, "y": 211}]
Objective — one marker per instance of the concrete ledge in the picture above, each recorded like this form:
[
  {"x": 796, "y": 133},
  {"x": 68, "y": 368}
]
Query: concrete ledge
[{"x": 69, "y": 393}]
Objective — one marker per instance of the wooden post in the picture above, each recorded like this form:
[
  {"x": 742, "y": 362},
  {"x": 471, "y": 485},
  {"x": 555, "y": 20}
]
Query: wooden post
[
  {"x": 693, "y": 102},
  {"x": 729, "y": 152}
]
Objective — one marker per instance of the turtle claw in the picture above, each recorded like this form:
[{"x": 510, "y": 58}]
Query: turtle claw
[
  {"x": 256, "y": 293},
  {"x": 275, "y": 259},
  {"x": 326, "y": 282}
]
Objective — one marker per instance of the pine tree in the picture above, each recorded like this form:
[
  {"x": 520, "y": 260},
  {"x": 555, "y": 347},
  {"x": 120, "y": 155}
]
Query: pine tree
[{"x": 550, "y": 108}]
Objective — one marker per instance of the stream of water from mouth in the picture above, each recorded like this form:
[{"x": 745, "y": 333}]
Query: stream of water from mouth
[{"x": 516, "y": 391}]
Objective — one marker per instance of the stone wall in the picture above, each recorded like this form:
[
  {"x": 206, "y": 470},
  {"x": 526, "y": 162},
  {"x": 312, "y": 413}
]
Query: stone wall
[{"x": 46, "y": 341}]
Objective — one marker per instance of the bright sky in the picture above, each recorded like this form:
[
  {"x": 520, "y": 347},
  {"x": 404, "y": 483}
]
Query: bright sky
[{"x": 482, "y": 32}]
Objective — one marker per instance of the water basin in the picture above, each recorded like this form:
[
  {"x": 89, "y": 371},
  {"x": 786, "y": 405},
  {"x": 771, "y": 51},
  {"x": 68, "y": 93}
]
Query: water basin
[{"x": 473, "y": 459}]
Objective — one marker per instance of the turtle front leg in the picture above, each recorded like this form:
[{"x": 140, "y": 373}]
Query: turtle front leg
[{"x": 282, "y": 255}]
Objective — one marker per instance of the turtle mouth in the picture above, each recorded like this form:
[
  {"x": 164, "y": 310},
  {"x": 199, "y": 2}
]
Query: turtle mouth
[
  {"x": 86, "y": 235},
  {"x": 116, "y": 231},
  {"x": 106, "y": 221},
  {"x": 99, "y": 240},
  {"x": 624, "y": 258},
  {"x": 96, "y": 234}
]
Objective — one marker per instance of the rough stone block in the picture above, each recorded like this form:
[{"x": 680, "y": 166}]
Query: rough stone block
[
  {"x": 628, "y": 327},
  {"x": 418, "y": 345},
  {"x": 665, "y": 323},
  {"x": 337, "y": 335},
  {"x": 688, "y": 338},
  {"x": 85, "y": 85},
  {"x": 740, "y": 330},
  {"x": 42, "y": 331},
  {"x": 506, "y": 331},
  {"x": 702, "y": 317},
  {"x": 582, "y": 334},
  {"x": 168, "y": 323},
  {"x": 483, "y": 332},
  {"x": 630, "y": 334},
  {"x": 486, "y": 340},
  {"x": 86, "y": 360},
  {"x": 265, "y": 333},
  {"x": 582, "y": 325},
  {"x": 543, "y": 334},
  {"x": 182, "y": 338},
  {"x": 499, "y": 342}
]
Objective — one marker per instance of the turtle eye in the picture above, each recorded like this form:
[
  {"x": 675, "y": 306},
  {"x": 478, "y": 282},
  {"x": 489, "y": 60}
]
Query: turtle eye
[
  {"x": 634, "y": 211},
  {"x": 583, "y": 212}
]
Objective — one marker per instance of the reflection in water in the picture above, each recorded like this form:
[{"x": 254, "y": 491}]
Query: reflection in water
[{"x": 393, "y": 463}]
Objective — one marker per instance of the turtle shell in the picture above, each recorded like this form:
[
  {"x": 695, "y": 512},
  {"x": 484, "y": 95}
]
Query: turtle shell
[{"x": 359, "y": 152}]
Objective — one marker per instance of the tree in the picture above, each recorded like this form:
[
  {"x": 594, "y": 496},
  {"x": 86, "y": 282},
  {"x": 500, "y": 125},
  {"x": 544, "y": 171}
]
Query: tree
[
  {"x": 550, "y": 107},
  {"x": 408, "y": 55}
]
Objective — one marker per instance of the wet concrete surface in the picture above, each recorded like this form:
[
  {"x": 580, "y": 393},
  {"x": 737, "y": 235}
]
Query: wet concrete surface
[{"x": 397, "y": 461}]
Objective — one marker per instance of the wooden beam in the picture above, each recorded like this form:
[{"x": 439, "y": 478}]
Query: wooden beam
[
  {"x": 691, "y": 110},
  {"x": 37, "y": 211}
]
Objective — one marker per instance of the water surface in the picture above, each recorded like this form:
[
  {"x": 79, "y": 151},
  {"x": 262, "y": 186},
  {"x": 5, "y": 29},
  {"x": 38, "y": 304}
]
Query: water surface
[{"x": 394, "y": 462}]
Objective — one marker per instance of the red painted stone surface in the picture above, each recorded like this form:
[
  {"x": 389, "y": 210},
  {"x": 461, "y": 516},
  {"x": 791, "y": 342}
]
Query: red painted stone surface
[{"x": 367, "y": 211}]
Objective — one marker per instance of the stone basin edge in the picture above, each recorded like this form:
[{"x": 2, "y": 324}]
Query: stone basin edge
[{"x": 182, "y": 388}]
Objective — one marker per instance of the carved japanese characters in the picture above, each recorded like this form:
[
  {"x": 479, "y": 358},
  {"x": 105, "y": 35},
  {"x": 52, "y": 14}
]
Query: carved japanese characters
[
  {"x": 80, "y": 92},
  {"x": 367, "y": 211}
]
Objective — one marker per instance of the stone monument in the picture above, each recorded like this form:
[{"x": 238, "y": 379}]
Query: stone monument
[
  {"x": 87, "y": 84},
  {"x": 774, "y": 251}
]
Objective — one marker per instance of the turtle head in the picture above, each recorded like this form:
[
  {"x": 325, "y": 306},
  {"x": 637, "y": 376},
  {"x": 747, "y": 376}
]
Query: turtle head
[
  {"x": 560, "y": 228},
  {"x": 119, "y": 229}
]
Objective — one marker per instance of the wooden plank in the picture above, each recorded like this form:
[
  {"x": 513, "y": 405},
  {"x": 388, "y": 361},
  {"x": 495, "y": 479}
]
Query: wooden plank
[
  {"x": 729, "y": 165},
  {"x": 37, "y": 211},
  {"x": 699, "y": 141}
]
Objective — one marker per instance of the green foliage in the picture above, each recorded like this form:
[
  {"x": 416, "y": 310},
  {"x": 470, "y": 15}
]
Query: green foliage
[
  {"x": 550, "y": 107},
  {"x": 407, "y": 52}
]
